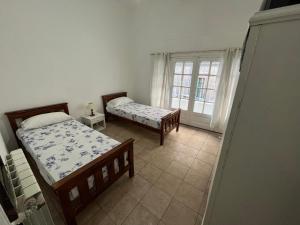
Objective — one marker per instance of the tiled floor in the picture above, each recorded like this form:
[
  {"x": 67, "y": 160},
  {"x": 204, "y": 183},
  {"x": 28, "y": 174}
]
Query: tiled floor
[{"x": 170, "y": 183}]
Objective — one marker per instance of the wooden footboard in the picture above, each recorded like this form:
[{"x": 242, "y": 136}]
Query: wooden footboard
[
  {"x": 168, "y": 123},
  {"x": 88, "y": 174},
  {"x": 79, "y": 179}
]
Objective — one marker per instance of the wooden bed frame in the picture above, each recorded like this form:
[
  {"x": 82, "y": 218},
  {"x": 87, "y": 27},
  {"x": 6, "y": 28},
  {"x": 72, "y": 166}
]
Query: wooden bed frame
[
  {"x": 168, "y": 123},
  {"x": 79, "y": 177}
]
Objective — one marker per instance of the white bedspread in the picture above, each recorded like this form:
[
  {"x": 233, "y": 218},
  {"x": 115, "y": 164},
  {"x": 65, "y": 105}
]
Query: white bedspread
[
  {"x": 150, "y": 116},
  {"x": 62, "y": 148}
]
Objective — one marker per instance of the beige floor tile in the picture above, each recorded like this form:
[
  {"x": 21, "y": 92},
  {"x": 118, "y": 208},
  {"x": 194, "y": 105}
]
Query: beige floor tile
[
  {"x": 150, "y": 173},
  {"x": 122, "y": 209},
  {"x": 161, "y": 161},
  {"x": 156, "y": 201},
  {"x": 195, "y": 142},
  {"x": 197, "y": 180},
  {"x": 184, "y": 159},
  {"x": 138, "y": 187},
  {"x": 150, "y": 142},
  {"x": 168, "y": 183},
  {"x": 206, "y": 157},
  {"x": 141, "y": 216},
  {"x": 212, "y": 146},
  {"x": 88, "y": 213},
  {"x": 192, "y": 152},
  {"x": 181, "y": 135},
  {"x": 178, "y": 214},
  {"x": 210, "y": 149},
  {"x": 189, "y": 196},
  {"x": 138, "y": 149},
  {"x": 129, "y": 134},
  {"x": 110, "y": 197},
  {"x": 146, "y": 156},
  {"x": 177, "y": 169},
  {"x": 139, "y": 164},
  {"x": 201, "y": 134},
  {"x": 183, "y": 148},
  {"x": 100, "y": 218},
  {"x": 201, "y": 167}
]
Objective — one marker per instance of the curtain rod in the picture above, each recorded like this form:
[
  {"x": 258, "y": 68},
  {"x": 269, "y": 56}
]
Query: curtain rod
[{"x": 189, "y": 52}]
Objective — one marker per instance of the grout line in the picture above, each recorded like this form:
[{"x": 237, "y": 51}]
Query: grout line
[{"x": 182, "y": 179}]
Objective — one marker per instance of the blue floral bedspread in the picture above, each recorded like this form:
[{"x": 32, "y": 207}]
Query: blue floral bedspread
[
  {"x": 60, "y": 149},
  {"x": 144, "y": 114}
]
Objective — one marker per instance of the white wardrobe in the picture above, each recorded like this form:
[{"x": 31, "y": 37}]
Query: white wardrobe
[{"x": 257, "y": 179}]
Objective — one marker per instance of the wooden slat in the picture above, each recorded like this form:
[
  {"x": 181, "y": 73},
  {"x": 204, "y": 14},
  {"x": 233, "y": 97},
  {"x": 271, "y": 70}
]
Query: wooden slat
[
  {"x": 131, "y": 160},
  {"x": 84, "y": 192},
  {"x": 98, "y": 179},
  {"x": 111, "y": 170},
  {"x": 121, "y": 162}
]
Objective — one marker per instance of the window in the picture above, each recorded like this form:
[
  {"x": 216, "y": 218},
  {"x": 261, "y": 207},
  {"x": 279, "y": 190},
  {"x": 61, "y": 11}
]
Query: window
[
  {"x": 183, "y": 73},
  {"x": 195, "y": 83},
  {"x": 206, "y": 87}
]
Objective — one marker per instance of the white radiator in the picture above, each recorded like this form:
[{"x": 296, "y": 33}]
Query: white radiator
[{"x": 25, "y": 192}]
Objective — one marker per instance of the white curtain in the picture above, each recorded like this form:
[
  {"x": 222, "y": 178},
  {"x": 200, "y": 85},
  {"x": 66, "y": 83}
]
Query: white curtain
[
  {"x": 226, "y": 90},
  {"x": 160, "y": 89}
]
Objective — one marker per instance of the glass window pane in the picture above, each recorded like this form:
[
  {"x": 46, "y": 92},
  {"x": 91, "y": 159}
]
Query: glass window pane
[
  {"x": 188, "y": 68},
  {"x": 204, "y": 67},
  {"x": 214, "y": 68},
  {"x": 184, "y": 104},
  {"x": 186, "y": 82},
  {"x": 185, "y": 93},
  {"x": 202, "y": 81},
  {"x": 210, "y": 96},
  {"x": 176, "y": 92},
  {"x": 177, "y": 80},
  {"x": 208, "y": 108},
  {"x": 198, "y": 107},
  {"x": 200, "y": 94},
  {"x": 178, "y": 67},
  {"x": 175, "y": 103},
  {"x": 212, "y": 82}
]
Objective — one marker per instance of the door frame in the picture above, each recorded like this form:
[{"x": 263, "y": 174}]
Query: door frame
[{"x": 189, "y": 117}]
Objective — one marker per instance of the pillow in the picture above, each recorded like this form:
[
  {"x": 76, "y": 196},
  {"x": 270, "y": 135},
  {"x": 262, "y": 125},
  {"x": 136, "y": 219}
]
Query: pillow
[
  {"x": 44, "y": 120},
  {"x": 119, "y": 101}
]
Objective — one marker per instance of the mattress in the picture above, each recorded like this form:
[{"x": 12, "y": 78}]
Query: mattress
[
  {"x": 62, "y": 148},
  {"x": 150, "y": 116}
]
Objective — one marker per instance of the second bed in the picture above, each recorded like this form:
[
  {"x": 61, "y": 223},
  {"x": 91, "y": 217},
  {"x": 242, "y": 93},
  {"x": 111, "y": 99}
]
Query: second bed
[{"x": 159, "y": 120}]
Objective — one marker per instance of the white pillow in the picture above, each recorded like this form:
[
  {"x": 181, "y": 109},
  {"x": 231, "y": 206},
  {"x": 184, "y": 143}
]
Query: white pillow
[
  {"x": 44, "y": 120},
  {"x": 119, "y": 101}
]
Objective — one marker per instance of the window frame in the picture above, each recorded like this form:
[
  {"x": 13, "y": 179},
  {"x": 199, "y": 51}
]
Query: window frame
[
  {"x": 173, "y": 74},
  {"x": 197, "y": 59}
]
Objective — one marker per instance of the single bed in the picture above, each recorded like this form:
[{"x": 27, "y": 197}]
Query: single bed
[
  {"x": 159, "y": 120},
  {"x": 77, "y": 162}
]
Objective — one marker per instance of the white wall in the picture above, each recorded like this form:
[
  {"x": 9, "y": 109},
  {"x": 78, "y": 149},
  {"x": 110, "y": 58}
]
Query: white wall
[
  {"x": 185, "y": 25},
  {"x": 75, "y": 51},
  {"x": 60, "y": 50}
]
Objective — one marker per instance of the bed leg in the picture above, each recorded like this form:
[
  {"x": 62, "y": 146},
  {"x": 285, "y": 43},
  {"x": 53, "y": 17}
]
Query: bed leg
[
  {"x": 177, "y": 127},
  {"x": 162, "y": 137},
  {"x": 130, "y": 161}
]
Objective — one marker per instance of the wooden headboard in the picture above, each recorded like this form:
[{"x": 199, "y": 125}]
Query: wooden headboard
[
  {"x": 107, "y": 98},
  {"x": 19, "y": 115}
]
